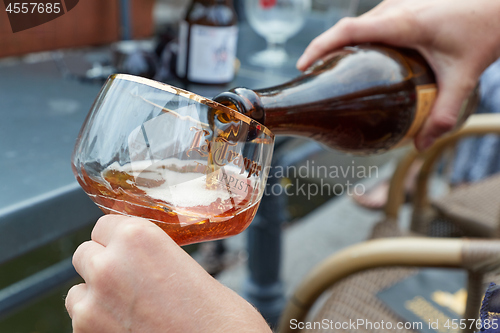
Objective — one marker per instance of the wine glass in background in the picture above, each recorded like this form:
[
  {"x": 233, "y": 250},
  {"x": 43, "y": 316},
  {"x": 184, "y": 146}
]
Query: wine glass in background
[{"x": 276, "y": 21}]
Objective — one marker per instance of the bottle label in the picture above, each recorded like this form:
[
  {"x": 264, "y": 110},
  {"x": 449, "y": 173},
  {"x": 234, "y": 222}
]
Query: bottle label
[
  {"x": 426, "y": 94},
  {"x": 212, "y": 52}
]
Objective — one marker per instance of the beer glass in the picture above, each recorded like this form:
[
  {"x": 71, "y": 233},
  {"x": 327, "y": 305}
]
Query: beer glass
[{"x": 192, "y": 166}]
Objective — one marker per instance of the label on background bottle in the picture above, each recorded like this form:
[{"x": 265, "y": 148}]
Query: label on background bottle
[
  {"x": 426, "y": 94},
  {"x": 212, "y": 52}
]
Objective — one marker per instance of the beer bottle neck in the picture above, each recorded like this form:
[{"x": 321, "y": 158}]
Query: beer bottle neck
[
  {"x": 268, "y": 107},
  {"x": 244, "y": 101}
]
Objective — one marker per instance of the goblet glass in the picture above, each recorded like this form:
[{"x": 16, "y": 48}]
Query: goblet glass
[
  {"x": 192, "y": 166},
  {"x": 276, "y": 21}
]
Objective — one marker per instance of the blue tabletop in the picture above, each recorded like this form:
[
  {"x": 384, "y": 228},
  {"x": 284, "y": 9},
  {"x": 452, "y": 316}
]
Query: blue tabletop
[{"x": 41, "y": 115}]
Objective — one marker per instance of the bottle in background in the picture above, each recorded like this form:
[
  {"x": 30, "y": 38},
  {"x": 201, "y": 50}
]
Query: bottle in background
[{"x": 207, "y": 42}]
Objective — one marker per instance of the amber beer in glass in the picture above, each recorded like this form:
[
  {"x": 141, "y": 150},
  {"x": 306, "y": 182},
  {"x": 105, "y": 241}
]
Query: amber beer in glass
[{"x": 195, "y": 168}]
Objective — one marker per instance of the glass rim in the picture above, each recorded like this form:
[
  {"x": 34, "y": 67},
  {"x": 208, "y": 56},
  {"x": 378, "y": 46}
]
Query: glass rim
[{"x": 185, "y": 93}]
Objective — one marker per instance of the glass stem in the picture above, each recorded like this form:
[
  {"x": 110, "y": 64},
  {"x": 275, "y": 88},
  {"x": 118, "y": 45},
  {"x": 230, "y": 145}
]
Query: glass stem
[{"x": 275, "y": 46}]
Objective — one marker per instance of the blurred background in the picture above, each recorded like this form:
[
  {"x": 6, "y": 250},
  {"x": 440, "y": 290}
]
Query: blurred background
[{"x": 49, "y": 77}]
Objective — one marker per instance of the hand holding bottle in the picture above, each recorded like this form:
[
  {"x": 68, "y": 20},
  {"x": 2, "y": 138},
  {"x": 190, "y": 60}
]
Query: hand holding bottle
[{"x": 458, "y": 38}]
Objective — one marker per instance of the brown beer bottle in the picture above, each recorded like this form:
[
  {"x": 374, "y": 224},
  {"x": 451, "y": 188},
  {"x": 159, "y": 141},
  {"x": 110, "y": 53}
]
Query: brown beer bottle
[
  {"x": 363, "y": 99},
  {"x": 207, "y": 42}
]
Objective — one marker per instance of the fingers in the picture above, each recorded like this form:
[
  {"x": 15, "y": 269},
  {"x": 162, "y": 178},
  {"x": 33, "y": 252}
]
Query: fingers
[
  {"x": 106, "y": 227},
  {"x": 346, "y": 32},
  {"x": 444, "y": 113},
  {"x": 123, "y": 228},
  {"x": 394, "y": 26},
  {"x": 75, "y": 295},
  {"x": 84, "y": 257},
  {"x": 88, "y": 315}
]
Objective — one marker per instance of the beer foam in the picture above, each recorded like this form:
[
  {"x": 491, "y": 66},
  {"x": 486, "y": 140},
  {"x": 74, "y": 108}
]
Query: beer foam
[
  {"x": 188, "y": 193},
  {"x": 180, "y": 189}
]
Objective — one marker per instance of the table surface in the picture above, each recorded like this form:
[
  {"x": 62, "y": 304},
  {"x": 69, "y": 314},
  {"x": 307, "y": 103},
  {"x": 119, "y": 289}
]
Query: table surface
[{"x": 41, "y": 115}]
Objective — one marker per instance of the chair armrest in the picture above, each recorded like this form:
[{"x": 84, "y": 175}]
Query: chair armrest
[
  {"x": 407, "y": 251},
  {"x": 396, "y": 195},
  {"x": 478, "y": 124}
]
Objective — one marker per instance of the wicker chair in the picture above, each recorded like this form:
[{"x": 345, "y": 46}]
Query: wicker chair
[
  {"x": 469, "y": 210},
  {"x": 355, "y": 275},
  {"x": 351, "y": 278}
]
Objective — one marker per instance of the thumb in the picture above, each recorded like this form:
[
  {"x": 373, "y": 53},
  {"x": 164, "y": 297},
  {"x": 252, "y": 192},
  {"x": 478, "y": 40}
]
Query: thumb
[
  {"x": 370, "y": 27},
  {"x": 445, "y": 112}
]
